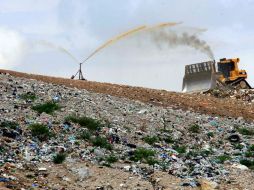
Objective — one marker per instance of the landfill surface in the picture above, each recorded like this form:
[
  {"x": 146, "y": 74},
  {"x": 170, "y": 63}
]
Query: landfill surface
[{"x": 121, "y": 137}]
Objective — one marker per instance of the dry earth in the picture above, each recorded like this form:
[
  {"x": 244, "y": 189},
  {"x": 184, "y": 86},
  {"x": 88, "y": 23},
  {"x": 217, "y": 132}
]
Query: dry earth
[{"x": 198, "y": 103}]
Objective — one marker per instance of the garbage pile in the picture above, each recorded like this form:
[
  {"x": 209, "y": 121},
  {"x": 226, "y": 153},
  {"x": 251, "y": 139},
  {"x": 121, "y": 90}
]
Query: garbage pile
[
  {"x": 48, "y": 123},
  {"x": 246, "y": 95}
]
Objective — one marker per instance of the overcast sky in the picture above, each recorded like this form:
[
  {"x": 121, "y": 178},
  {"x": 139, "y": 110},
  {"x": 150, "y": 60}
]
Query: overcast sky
[{"x": 80, "y": 26}]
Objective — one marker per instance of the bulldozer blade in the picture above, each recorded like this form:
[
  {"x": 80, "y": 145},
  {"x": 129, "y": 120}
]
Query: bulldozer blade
[{"x": 199, "y": 77}]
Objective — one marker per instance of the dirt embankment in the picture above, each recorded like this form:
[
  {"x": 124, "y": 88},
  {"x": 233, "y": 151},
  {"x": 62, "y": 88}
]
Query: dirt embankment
[{"x": 199, "y": 103}]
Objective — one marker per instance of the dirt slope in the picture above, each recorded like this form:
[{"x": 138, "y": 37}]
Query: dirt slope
[{"x": 199, "y": 103}]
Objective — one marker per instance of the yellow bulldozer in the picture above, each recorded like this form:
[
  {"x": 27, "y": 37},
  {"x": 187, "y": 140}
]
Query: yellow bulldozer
[{"x": 208, "y": 75}]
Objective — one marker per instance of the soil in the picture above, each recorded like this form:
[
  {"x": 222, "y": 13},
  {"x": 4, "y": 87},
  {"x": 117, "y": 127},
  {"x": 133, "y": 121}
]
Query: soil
[{"x": 195, "y": 102}]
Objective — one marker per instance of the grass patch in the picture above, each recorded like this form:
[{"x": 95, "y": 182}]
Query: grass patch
[
  {"x": 151, "y": 139},
  {"x": 210, "y": 134},
  {"x": 89, "y": 123},
  {"x": 40, "y": 131},
  {"x": 238, "y": 146},
  {"x": 221, "y": 159},
  {"x": 180, "y": 149},
  {"x": 86, "y": 135},
  {"x": 142, "y": 154},
  {"x": 9, "y": 124},
  {"x": 250, "y": 152},
  {"x": 169, "y": 140},
  {"x": 2, "y": 149},
  {"x": 59, "y": 158},
  {"x": 101, "y": 142},
  {"x": 48, "y": 107},
  {"x": 251, "y": 148},
  {"x": 206, "y": 153},
  {"x": 245, "y": 131},
  {"x": 111, "y": 159},
  {"x": 151, "y": 161},
  {"x": 28, "y": 96},
  {"x": 195, "y": 128},
  {"x": 248, "y": 163},
  {"x": 203, "y": 153}
]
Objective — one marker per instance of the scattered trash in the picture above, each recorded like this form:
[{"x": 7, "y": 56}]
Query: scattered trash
[{"x": 114, "y": 129}]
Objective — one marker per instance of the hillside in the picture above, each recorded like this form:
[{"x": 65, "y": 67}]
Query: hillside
[
  {"x": 63, "y": 134},
  {"x": 199, "y": 103}
]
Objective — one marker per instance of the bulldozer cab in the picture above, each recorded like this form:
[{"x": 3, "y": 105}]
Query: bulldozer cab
[
  {"x": 229, "y": 70},
  {"x": 226, "y": 66},
  {"x": 199, "y": 77}
]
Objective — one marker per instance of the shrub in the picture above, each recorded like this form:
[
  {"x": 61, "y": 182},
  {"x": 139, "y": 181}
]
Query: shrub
[
  {"x": 85, "y": 135},
  {"x": 151, "y": 140},
  {"x": 249, "y": 154},
  {"x": 206, "y": 153},
  {"x": 111, "y": 159},
  {"x": 101, "y": 142},
  {"x": 142, "y": 154},
  {"x": 195, "y": 153},
  {"x": 2, "y": 149},
  {"x": 210, "y": 134},
  {"x": 221, "y": 159},
  {"x": 248, "y": 163},
  {"x": 40, "y": 131},
  {"x": 169, "y": 140},
  {"x": 245, "y": 131},
  {"x": 48, "y": 107},
  {"x": 194, "y": 128},
  {"x": 59, "y": 158},
  {"x": 180, "y": 149},
  {"x": 239, "y": 146},
  {"x": 9, "y": 124},
  {"x": 151, "y": 161},
  {"x": 251, "y": 148},
  {"x": 28, "y": 96},
  {"x": 89, "y": 123}
]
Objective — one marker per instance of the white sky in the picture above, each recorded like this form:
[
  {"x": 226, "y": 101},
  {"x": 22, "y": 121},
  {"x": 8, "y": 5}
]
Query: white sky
[{"x": 81, "y": 26}]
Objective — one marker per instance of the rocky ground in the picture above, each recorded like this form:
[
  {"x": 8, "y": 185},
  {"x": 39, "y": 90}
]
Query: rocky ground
[{"x": 57, "y": 137}]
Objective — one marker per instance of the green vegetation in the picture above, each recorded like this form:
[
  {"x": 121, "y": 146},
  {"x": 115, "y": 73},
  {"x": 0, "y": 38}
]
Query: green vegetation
[
  {"x": 89, "y": 123},
  {"x": 59, "y": 158},
  {"x": 250, "y": 152},
  {"x": 101, "y": 142},
  {"x": 111, "y": 159},
  {"x": 210, "y": 134},
  {"x": 28, "y": 96},
  {"x": 48, "y": 107},
  {"x": 9, "y": 124},
  {"x": 180, "y": 149},
  {"x": 85, "y": 135},
  {"x": 151, "y": 161},
  {"x": 151, "y": 140},
  {"x": 238, "y": 146},
  {"x": 248, "y": 163},
  {"x": 142, "y": 154},
  {"x": 245, "y": 131},
  {"x": 251, "y": 148},
  {"x": 221, "y": 159},
  {"x": 40, "y": 131},
  {"x": 203, "y": 153},
  {"x": 2, "y": 149},
  {"x": 195, "y": 128},
  {"x": 206, "y": 153},
  {"x": 169, "y": 140}
]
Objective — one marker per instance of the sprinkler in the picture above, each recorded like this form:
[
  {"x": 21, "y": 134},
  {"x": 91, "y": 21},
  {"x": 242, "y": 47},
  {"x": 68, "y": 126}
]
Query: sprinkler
[{"x": 79, "y": 73}]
